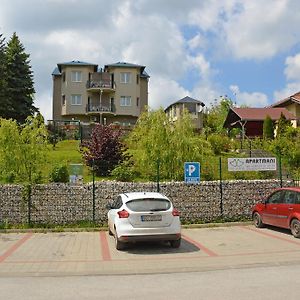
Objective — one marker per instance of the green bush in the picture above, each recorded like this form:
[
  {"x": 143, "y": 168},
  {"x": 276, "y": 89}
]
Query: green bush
[
  {"x": 59, "y": 174},
  {"x": 219, "y": 143},
  {"x": 124, "y": 172}
]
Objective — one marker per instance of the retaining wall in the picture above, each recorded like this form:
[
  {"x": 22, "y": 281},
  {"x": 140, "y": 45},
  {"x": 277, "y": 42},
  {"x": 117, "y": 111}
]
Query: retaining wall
[{"x": 57, "y": 204}]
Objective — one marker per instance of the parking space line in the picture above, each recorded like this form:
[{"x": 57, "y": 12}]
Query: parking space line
[
  {"x": 14, "y": 247},
  {"x": 200, "y": 246},
  {"x": 104, "y": 246},
  {"x": 270, "y": 235}
]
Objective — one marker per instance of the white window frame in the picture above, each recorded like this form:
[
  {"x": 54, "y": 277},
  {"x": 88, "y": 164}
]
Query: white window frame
[
  {"x": 125, "y": 101},
  {"x": 76, "y": 76},
  {"x": 125, "y": 77},
  {"x": 76, "y": 99}
]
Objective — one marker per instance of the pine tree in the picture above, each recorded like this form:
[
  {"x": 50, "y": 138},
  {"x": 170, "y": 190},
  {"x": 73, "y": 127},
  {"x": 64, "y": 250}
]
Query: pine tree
[
  {"x": 283, "y": 125},
  {"x": 20, "y": 90},
  {"x": 3, "y": 99},
  {"x": 268, "y": 129}
]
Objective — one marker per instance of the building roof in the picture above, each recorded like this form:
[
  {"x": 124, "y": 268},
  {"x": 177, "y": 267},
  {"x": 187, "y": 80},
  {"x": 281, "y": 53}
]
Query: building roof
[
  {"x": 255, "y": 114},
  {"x": 76, "y": 63},
  {"x": 294, "y": 98},
  {"x": 186, "y": 99},
  {"x": 122, "y": 64},
  {"x": 259, "y": 114},
  {"x": 56, "y": 72}
]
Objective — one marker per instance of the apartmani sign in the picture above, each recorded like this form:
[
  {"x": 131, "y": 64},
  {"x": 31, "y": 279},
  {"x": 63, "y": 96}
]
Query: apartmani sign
[{"x": 252, "y": 164}]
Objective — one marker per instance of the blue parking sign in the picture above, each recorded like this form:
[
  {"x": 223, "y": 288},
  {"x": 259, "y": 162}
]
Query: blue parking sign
[{"x": 192, "y": 172}]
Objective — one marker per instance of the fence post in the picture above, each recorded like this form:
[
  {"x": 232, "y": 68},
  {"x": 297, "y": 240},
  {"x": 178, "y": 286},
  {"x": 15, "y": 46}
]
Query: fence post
[
  {"x": 221, "y": 186},
  {"x": 157, "y": 176},
  {"x": 93, "y": 172},
  {"x": 280, "y": 170}
]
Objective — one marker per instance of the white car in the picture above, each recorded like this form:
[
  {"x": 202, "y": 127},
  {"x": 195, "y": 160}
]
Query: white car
[{"x": 145, "y": 216}]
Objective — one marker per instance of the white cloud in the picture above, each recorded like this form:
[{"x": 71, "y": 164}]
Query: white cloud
[
  {"x": 163, "y": 91},
  {"x": 174, "y": 39},
  {"x": 254, "y": 99},
  {"x": 197, "y": 42},
  {"x": 288, "y": 90},
  {"x": 292, "y": 70},
  {"x": 292, "y": 73},
  {"x": 261, "y": 29}
]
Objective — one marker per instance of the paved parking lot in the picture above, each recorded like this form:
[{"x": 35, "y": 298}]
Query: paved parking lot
[{"x": 90, "y": 253}]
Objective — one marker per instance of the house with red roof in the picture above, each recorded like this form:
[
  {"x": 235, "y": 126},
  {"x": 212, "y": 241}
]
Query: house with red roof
[
  {"x": 250, "y": 120},
  {"x": 292, "y": 104}
]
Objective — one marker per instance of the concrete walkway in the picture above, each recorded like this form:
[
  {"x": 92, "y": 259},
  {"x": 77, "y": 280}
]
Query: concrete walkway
[{"x": 94, "y": 253}]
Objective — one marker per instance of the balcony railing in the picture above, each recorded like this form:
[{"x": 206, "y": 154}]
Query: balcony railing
[
  {"x": 98, "y": 84},
  {"x": 99, "y": 108}
]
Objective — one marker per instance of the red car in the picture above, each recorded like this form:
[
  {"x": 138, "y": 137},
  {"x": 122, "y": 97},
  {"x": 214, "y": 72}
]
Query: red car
[{"x": 281, "y": 209}]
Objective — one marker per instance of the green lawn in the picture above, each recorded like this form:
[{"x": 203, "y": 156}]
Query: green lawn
[{"x": 65, "y": 153}]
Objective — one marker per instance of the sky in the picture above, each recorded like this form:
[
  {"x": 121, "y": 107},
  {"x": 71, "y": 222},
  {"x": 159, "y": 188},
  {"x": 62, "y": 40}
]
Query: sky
[{"x": 247, "y": 50}]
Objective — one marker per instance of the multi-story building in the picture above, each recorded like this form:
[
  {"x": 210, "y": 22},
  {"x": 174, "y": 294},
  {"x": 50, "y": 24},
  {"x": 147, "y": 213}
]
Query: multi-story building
[
  {"x": 82, "y": 91},
  {"x": 193, "y": 106}
]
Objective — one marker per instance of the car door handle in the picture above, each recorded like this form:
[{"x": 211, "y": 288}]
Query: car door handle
[
  {"x": 291, "y": 208},
  {"x": 274, "y": 208}
]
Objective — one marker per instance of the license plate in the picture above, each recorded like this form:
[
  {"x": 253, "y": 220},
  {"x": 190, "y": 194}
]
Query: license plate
[{"x": 151, "y": 218}]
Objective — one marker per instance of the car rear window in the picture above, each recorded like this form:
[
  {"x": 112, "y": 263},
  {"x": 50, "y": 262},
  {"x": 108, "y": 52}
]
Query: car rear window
[{"x": 149, "y": 204}]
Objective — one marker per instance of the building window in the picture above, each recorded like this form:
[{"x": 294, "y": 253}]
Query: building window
[
  {"x": 137, "y": 79},
  {"x": 76, "y": 100},
  {"x": 137, "y": 101},
  {"x": 63, "y": 76},
  {"x": 63, "y": 99},
  {"x": 125, "y": 77},
  {"x": 125, "y": 101},
  {"x": 76, "y": 76}
]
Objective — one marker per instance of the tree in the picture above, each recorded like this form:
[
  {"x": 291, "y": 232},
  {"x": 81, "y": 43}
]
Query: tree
[
  {"x": 104, "y": 151},
  {"x": 215, "y": 117},
  {"x": 22, "y": 150},
  {"x": 282, "y": 126},
  {"x": 19, "y": 80},
  {"x": 268, "y": 129},
  {"x": 3, "y": 99},
  {"x": 156, "y": 143}
]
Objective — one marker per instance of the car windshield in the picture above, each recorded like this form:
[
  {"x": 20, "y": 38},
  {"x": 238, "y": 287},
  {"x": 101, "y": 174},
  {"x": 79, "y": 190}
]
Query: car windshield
[{"x": 148, "y": 204}]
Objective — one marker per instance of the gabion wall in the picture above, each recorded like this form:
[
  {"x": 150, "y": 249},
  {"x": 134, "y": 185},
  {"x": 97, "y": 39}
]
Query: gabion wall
[{"x": 60, "y": 204}]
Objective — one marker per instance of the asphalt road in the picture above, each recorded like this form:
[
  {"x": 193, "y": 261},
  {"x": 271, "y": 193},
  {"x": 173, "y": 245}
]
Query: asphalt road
[{"x": 277, "y": 282}]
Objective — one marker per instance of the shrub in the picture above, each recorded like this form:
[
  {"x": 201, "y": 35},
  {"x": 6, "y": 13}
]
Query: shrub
[
  {"x": 219, "y": 143},
  {"x": 124, "y": 172},
  {"x": 59, "y": 174}
]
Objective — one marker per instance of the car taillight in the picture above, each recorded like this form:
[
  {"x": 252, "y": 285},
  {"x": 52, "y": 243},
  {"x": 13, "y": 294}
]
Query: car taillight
[
  {"x": 175, "y": 213},
  {"x": 123, "y": 214}
]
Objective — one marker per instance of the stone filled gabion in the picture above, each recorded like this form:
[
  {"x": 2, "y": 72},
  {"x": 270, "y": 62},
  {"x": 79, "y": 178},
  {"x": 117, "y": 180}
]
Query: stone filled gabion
[{"x": 62, "y": 204}]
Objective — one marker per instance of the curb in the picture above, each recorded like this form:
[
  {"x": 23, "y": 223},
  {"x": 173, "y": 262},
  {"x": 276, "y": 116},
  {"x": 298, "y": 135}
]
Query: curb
[{"x": 104, "y": 228}]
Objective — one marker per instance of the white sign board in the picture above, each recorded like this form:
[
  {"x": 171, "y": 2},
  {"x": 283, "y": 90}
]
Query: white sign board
[{"x": 252, "y": 164}]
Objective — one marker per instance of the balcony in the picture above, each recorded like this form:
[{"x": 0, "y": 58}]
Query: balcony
[
  {"x": 103, "y": 85},
  {"x": 94, "y": 109}
]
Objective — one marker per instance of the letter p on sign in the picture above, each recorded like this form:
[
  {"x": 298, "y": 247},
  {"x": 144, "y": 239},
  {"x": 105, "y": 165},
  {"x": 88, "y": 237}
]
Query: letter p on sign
[{"x": 192, "y": 169}]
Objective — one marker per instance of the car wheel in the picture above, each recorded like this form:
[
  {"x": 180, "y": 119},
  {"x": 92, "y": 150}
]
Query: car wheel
[
  {"x": 109, "y": 231},
  {"x": 176, "y": 243},
  {"x": 257, "y": 220},
  {"x": 119, "y": 245},
  {"x": 295, "y": 228}
]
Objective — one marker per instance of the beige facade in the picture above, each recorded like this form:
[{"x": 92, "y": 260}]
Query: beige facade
[
  {"x": 193, "y": 106},
  {"x": 117, "y": 94},
  {"x": 292, "y": 104}
]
